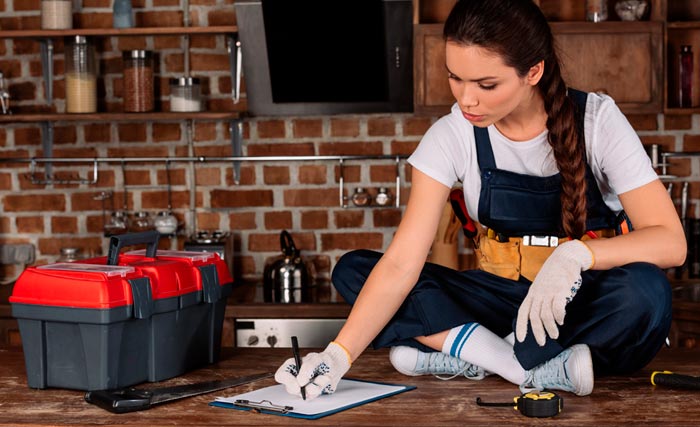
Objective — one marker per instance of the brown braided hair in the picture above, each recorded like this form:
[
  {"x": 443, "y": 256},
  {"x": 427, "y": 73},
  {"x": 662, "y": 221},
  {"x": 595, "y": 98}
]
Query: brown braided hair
[{"x": 518, "y": 31}]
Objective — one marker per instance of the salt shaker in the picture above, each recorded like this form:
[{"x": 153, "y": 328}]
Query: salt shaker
[
  {"x": 361, "y": 197},
  {"x": 383, "y": 198}
]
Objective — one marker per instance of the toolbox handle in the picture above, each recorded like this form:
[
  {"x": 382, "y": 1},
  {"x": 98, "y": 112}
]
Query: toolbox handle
[{"x": 116, "y": 243}]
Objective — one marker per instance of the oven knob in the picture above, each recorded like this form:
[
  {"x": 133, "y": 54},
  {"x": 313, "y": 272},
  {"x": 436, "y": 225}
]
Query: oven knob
[
  {"x": 272, "y": 340},
  {"x": 253, "y": 340}
]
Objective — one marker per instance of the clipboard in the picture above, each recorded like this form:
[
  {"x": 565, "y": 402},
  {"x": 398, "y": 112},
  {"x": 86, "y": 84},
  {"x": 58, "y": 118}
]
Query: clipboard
[{"x": 275, "y": 400}]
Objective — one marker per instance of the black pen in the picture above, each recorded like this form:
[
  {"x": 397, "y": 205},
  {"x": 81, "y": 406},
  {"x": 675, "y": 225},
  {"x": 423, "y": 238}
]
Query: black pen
[{"x": 297, "y": 360}]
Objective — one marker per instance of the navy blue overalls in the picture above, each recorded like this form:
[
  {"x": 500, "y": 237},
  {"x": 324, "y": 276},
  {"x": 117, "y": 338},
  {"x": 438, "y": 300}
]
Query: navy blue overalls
[{"x": 622, "y": 314}]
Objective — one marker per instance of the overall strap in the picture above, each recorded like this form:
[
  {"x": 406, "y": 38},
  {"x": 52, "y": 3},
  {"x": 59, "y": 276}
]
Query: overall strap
[{"x": 484, "y": 153}]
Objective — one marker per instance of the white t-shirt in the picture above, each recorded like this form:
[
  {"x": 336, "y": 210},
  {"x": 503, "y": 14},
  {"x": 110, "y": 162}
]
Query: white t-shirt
[{"x": 447, "y": 153}]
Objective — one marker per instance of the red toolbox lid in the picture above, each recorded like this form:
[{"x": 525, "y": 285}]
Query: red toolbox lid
[
  {"x": 194, "y": 259},
  {"x": 78, "y": 285}
]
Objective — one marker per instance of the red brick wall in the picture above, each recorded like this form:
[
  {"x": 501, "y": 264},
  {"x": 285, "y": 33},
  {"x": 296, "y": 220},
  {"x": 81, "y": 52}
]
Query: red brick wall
[{"x": 301, "y": 197}]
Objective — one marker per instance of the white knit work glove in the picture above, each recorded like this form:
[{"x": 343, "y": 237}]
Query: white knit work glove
[
  {"x": 554, "y": 286},
  {"x": 319, "y": 373}
]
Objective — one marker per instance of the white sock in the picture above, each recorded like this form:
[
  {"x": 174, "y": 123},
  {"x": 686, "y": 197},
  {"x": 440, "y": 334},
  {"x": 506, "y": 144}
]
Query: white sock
[{"x": 475, "y": 344}]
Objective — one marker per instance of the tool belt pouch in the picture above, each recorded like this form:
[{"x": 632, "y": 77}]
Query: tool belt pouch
[{"x": 510, "y": 259}]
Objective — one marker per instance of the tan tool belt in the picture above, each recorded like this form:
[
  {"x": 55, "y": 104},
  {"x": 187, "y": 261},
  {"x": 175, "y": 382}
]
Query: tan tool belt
[{"x": 518, "y": 256}]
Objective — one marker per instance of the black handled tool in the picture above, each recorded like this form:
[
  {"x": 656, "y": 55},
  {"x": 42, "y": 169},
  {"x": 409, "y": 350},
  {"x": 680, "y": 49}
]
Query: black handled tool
[
  {"x": 131, "y": 399},
  {"x": 669, "y": 379}
]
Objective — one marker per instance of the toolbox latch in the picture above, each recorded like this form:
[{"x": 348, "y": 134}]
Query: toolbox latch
[
  {"x": 210, "y": 283},
  {"x": 142, "y": 296}
]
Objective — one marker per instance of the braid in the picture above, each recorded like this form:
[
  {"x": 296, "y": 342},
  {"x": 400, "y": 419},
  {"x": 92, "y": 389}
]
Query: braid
[{"x": 568, "y": 152}]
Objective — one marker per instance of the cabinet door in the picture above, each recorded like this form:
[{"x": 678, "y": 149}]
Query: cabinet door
[
  {"x": 431, "y": 93},
  {"x": 622, "y": 59}
]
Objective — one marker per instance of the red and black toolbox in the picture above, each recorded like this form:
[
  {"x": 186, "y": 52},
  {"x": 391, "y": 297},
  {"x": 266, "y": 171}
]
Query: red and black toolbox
[{"x": 115, "y": 321}]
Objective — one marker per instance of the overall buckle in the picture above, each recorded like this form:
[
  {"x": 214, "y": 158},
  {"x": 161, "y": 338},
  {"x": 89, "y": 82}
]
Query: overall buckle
[{"x": 547, "y": 241}]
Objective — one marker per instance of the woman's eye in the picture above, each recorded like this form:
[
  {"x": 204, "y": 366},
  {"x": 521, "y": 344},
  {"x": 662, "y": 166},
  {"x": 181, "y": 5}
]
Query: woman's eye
[
  {"x": 487, "y": 87},
  {"x": 453, "y": 77}
]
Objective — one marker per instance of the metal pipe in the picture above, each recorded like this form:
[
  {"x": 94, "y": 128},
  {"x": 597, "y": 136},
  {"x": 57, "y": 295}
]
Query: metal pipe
[{"x": 197, "y": 159}]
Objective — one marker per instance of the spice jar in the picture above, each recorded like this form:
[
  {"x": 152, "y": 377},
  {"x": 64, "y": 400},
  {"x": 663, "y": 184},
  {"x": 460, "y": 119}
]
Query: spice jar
[
  {"x": 596, "y": 10},
  {"x": 185, "y": 94},
  {"x": 141, "y": 222},
  {"x": 138, "y": 81},
  {"x": 165, "y": 222},
  {"x": 383, "y": 198},
  {"x": 361, "y": 197},
  {"x": 56, "y": 14},
  {"x": 81, "y": 76},
  {"x": 70, "y": 255}
]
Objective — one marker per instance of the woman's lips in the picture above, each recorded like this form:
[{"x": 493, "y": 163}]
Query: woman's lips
[{"x": 472, "y": 117}]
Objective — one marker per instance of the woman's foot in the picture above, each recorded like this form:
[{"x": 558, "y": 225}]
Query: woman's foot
[
  {"x": 571, "y": 370},
  {"x": 411, "y": 361}
]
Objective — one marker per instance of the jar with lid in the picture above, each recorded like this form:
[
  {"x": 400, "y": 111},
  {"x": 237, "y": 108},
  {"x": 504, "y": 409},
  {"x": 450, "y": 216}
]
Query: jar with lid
[
  {"x": 141, "y": 222},
  {"x": 383, "y": 198},
  {"x": 56, "y": 14},
  {"x": 138, "y": 81},
  {"x": 596, "y": 10},
  {"x": 361, "y": 197},
  {"x": 81, "y": 76},
  {"x": 122, "y": 14},
  {"x": 185, "y": 94},
  {"x": 70, "y": 255},
  {"x": 165, "y": 222}
]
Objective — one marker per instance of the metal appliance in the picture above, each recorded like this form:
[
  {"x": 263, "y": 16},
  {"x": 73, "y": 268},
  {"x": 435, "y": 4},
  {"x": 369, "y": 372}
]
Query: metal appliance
[
  {"x": 267, "y": 333},
  {"x": 215, "y": 241}
]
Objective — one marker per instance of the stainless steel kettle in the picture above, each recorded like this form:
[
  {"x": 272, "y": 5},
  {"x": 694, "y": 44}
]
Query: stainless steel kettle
[{"x": 286, "y": 277}]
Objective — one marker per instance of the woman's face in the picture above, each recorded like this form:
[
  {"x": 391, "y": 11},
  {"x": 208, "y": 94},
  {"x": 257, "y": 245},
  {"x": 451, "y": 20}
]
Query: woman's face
[{"x": 486, "y": 89}]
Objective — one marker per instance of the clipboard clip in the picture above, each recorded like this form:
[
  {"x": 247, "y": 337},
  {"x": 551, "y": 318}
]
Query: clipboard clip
[{"x": 263, "y": 405}]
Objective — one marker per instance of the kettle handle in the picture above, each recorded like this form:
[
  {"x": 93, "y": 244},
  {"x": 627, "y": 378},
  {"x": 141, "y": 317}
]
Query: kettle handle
[{"x": 287, "y": 243}]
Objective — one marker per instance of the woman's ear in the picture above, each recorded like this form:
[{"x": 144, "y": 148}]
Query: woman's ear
[{"x": 535, "y": 73}]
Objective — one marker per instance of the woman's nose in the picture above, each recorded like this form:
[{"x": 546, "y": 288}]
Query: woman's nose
[{"x": 468, "y": 98}]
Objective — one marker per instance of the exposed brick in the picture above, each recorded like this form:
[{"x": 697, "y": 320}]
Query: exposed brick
[
  {"x": 247, "y": 176},
  {"x": 311, "y": 128},
  {"x": 404, "y": 148},
  {"x": 416, "y": 126},
  {"x": 166, "y": 42},
  {"x": 204, "y": 41},
  {"x": 666, "y": 142},
  {"x": 276, "y": 175},
  {"x": 278, "y": 220},
  {"x": 64, "y": 224},
  {"x": 271, "y": 242},
  {"x": 65, "y": 135},
  {"x": 271, "y": 129},
  {"x": 161, "y": 18},
  {"x": 4, "y": 225},
  {"x": 242, "y": 221},
  {"x": 11, "y": 69},
  {"x": 5, "y": 181},
  {"x": 291, "y": 149},
  {"x": 92, "y": 20},
  {"x": 204, "y": 131},
  {"x": 678, "y": 122},
  {"x": 346, "y": 241},
  {"x": 382, "y": 173},
  {"x": 384, "y": 126},
  {"x": 221, "y": 17},
  {"x": 364, "y": 148},
  {"x": 643, "y": 121},
  {"x": 166, "y": 132},
  {"x": 158, "y": 200},
  {"x": 314, "y": 220},
  {"x": 22, "y": 91},
  {"x": 95, "y": 223},
  {"x": 691, "y": 142},
  {"x": 174, "y": 63},
  {"x": 350, "y": 173},
  {"x": 28, "y": 136},
  {"x": 3, "y": 137},
  {"x": 34, "y": 203},
  {"x": 97, "y": 3},
  {"x": 177, "y": 176},
  {"x": 311, "y": 197},
  {"x": 313, "y": 174},
  {"x": 240, "y": 198},
  {"x": 138, "y": 151},
  {"x": 209, "y": 62},
  {"x": 137, "y": 177},
  {"x": 81, "y": 202},
  {"x": 208, "y": 221},
  {"x": 20, "y": 5},
  {"x": 351, "y": 218},
  {"x": 52, "y": 246},
  {"x": 132, "y": 132},
  {"x": 386, "y": 217},
  {"x": 97, "y": 132},
  {"x": 208, "y": 176},
  {"x": 345, "y": 127},
  {"x": 30, "y": 224}
]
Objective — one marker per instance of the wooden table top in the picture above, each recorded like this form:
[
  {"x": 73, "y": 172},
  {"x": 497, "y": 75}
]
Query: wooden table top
[{"x": 616, "y": 400}]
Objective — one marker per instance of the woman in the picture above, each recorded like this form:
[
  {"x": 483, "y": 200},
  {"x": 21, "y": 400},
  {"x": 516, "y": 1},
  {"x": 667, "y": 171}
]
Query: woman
[{"x": 548, "y": 173}]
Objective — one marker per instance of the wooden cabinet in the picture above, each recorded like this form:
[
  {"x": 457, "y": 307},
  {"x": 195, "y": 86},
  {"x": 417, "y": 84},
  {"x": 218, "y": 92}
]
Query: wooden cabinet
[
  {"x": 622, "y": 59},
  {"x": 682, "y": 28}
]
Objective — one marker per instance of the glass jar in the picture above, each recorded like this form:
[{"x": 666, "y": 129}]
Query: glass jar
[
  {"x": 685, "y": 94},
  {"x": 185, "y": 94},
  {"x": 56, "y": 14},
  {"x": 70, "y": 255},
  {"x": 122, "y": 14},
  {"x": 141, "y": 222},
  {"x": 81, "y": 76},
  {"x": 138, "y": 81},
  {"x": 383, "y": 198},
  {"x": 596, "y": 10},
  {"x": 165, "y": 222},
  {"x": 361, "y": 197}
]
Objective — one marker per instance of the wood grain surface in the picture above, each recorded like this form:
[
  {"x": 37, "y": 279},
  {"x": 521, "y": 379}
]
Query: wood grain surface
[{"x": 616, "y": 400}]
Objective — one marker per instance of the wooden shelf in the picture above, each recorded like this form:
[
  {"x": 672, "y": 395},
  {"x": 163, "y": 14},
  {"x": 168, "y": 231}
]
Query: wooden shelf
[
  {"x": 117, "y": 117},
  {"x": 106, "y": 32},
  {"x": 683, "y": 25}
]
